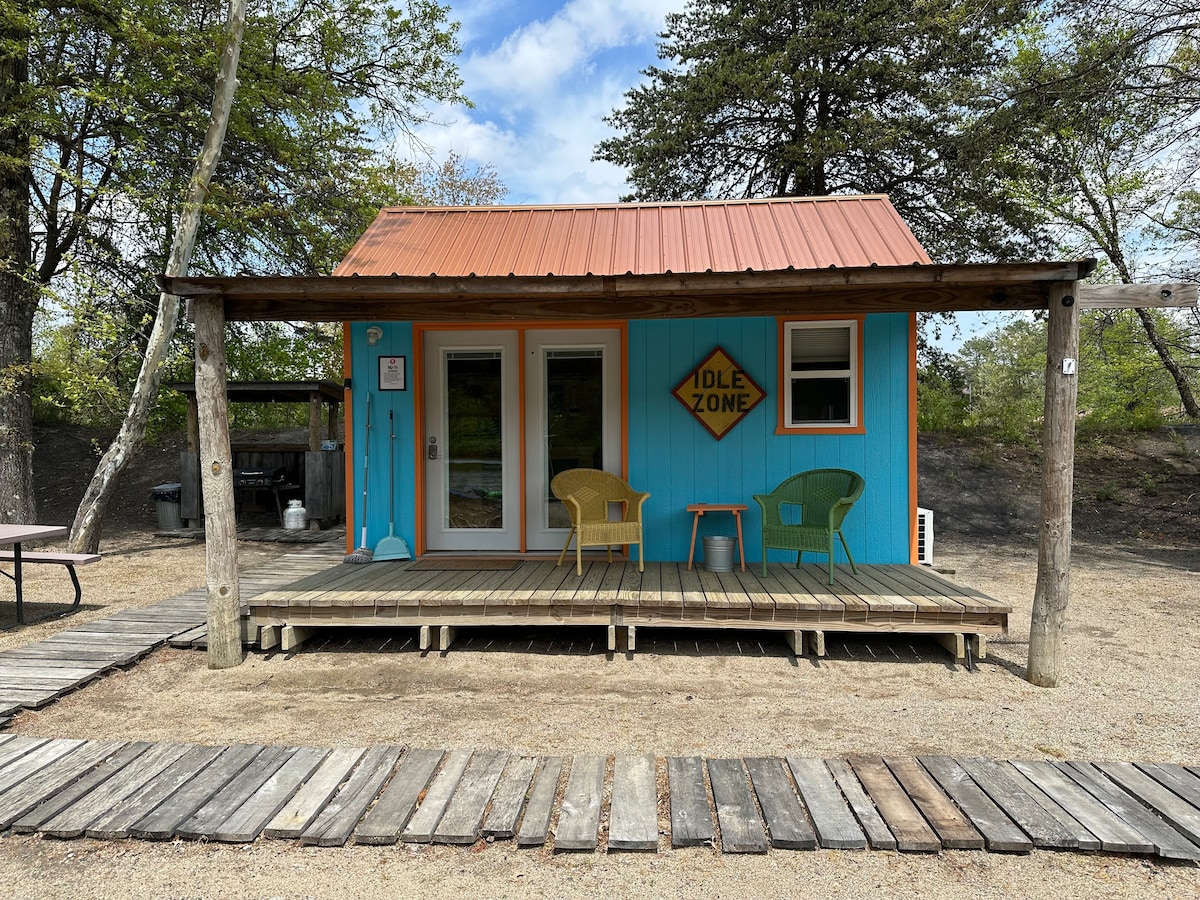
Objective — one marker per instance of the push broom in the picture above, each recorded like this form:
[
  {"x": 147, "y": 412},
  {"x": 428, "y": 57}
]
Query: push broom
[
  {"x": 392, "y": 547},
  {"x": 363, "y": 553}
]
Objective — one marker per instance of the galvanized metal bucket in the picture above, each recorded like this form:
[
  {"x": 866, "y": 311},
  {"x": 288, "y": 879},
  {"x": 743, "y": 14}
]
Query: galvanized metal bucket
[{"x": 718, "y": 553}]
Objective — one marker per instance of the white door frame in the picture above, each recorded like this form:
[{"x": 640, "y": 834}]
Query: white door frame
[
  {"x": 538, "y": 534},
  {"x": 438, "y": 533}
]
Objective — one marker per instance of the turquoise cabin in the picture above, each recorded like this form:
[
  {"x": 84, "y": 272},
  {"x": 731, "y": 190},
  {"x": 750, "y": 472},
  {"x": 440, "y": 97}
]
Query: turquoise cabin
[{"x": 458, "y": 417}]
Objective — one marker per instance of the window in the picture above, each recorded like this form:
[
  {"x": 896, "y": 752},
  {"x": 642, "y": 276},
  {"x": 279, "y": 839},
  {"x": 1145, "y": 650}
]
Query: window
[{"x": 821, "y": 378}]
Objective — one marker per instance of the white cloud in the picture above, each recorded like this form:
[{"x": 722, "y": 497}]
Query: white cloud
[
  {"x": 542, "y": 91},
  {"x": 537, "y": 56}
]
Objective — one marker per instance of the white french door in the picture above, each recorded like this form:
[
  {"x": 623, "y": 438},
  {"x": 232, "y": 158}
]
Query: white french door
[
  {"x": 572, "y": 420},
  {"x": 472, "y": 441},
  {"x": 475, "y": 459}
]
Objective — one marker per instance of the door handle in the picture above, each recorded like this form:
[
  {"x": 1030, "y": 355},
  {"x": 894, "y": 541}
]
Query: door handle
[{"x": 432, "y": 452}]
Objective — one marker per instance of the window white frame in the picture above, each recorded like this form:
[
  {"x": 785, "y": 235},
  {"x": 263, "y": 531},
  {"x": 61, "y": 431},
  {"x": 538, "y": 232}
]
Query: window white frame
[{"x": 833, "y": 348}]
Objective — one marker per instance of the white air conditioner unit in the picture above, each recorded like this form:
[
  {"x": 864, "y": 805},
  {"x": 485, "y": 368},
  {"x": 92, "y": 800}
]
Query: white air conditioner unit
[{"x": 925, "y": 536}]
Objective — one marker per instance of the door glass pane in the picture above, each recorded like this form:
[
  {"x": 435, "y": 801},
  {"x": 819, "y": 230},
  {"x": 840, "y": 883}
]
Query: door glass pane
[
  {"x": 474, "y": 451},
  {"x": 574, "y": 419}
]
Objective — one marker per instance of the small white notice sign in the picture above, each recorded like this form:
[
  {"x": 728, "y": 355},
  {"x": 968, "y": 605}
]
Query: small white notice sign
[{"x": 391, "y": 373}]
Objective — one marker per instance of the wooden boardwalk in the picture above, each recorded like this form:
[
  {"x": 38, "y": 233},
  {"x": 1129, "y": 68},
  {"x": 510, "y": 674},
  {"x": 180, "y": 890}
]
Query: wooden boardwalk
[
  {"x": 36, "y": 674},
  {"x": 390, "y": 794}
]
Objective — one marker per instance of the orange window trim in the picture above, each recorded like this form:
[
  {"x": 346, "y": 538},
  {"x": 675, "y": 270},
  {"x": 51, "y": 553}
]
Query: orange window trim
[
  {"x": 912, "y": 439},
  {"x": 860, "y": 427},
  {"x": 348, "y": 419},
  {"x": 418, "y": 353}
]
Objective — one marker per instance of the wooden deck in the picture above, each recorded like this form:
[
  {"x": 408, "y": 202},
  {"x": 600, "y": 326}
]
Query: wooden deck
[
  {"x": 797, "y": 601},
  {"x": 66, "y": 788}
]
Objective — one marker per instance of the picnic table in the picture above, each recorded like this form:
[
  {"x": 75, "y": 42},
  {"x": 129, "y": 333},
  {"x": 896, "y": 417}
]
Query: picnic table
[{"x": 15, "y": 535}]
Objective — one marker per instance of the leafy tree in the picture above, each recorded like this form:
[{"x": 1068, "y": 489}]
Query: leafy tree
[
  {"x": 815, "y": 97},
  {"x": 943, "y": 394},
  {"x": 429, "y": 183},
  {"x": 996, "y": 381},
  {"x": 104, "y": 108},
  {"x": 1096, "y": 141}
]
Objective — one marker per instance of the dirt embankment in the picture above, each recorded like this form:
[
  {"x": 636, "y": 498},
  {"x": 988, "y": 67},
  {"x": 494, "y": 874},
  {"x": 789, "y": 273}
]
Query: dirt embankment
[{"x": 1129, "y": 488}]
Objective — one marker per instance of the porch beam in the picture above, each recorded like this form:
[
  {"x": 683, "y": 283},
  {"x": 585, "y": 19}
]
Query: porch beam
[
  {"x": 997, "y": 286},
  {"x": 1136, "y": 296},
  {"x": 216, "y": 476},
  {"x": 1053, "y": 590}
]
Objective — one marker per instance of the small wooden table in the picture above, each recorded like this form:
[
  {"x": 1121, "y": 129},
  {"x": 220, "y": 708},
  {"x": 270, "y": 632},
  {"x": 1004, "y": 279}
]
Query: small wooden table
[
  {"x": 699, "y": 509},
  {"x": 16, "y": 535}
]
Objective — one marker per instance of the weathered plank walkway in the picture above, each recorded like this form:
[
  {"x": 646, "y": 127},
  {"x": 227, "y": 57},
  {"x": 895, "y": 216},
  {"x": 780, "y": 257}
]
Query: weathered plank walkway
[
  {"x": 38, "y": 673},
  {"x": 388, "y": 794}
]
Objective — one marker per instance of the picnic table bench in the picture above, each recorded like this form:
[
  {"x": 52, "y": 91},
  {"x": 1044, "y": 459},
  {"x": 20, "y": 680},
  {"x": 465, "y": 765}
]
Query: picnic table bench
[{"x": 15, "y": 535}]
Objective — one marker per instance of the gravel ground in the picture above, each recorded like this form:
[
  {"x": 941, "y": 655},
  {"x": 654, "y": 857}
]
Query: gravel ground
[{"x": 1128, "y": 692}]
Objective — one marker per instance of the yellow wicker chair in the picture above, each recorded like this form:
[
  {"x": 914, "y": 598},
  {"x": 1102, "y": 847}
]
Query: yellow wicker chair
[{"x": 586, "y": 493}]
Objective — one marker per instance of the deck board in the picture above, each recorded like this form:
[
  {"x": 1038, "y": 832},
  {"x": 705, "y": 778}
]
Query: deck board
[
  {"x": 397, "y": 803},
  {"x": 742, "y": 830},
  {"x": 535, "y": 824},
  {"x": 579, "y": 817},
  {"x": 691, "y": 818}
]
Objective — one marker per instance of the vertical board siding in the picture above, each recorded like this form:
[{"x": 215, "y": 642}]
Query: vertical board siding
[
  {"x": 671, "y": 455},
  {"x": 679, "y": 462},
  {"x": 397, "y": 340}
]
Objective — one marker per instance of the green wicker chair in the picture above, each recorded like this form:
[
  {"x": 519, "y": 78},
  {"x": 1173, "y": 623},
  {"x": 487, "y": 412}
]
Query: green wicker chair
[
  {"x": 586, "y": 494},
  {"x": 824, "y": 497}
]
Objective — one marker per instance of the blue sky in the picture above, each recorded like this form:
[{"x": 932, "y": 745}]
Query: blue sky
[{"x": 543, "y": 75}]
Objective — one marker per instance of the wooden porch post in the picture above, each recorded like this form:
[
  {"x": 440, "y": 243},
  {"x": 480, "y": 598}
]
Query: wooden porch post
[
  {"x": 1046, "y": 638},
  {"x": 314, "y": 421},
  {"x": 216, "y": 473}
]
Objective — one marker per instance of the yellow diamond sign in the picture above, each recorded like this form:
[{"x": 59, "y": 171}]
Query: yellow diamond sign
[{"x": 719, "y": 393}]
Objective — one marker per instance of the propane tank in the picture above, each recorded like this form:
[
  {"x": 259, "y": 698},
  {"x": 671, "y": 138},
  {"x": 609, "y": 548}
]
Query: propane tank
[{"x": 295, "y": 516}]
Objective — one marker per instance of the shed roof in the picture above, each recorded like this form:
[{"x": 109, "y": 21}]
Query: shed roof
[
  {"x": 636, "y": 238},
  {"x": 271, "y": 391}
]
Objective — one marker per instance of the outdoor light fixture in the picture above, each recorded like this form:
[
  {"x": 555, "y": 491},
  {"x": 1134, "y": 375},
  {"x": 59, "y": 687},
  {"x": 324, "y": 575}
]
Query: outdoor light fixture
[{"x": 374, "y": 333}]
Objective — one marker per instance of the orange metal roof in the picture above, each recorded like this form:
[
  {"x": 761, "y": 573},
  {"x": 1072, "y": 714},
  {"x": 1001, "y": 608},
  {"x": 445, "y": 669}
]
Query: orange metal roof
[{"x": 635, "y": 238}]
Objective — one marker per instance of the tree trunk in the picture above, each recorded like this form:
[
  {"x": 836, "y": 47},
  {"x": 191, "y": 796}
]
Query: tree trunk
[
  {"x": 18, "y": 289},
  {"x": 1053, "y": 590},
  {"x": 85, "y": 531},
  {"x": 1164, "y": 353}
]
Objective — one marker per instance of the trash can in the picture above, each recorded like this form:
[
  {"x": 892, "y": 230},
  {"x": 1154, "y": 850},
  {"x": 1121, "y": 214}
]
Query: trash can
[
  {"x": 718, "y": 553},
  {"x": 166, "y": 502}
]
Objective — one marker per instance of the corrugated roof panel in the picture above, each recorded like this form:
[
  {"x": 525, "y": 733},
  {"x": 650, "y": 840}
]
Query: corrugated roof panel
[
  {"x": 528, "y": 257},
  {"x": 821, "y": 244},
  {"x": 891, "y": 236},
  {"x": 720, "y": 238},
  {"x": 765, "y": 221},
  {"x": 625, "y": 237},
  {"x": 442, "y": 240},
  {"x": 674, "y": 251},
  {"x": 842, "y": 235},
  {"x": 695, "y": 238},
  {"x": 577, "y": 243},
  {"x": 649, "y": 259},
  {"x": 480, "y": 245},
  {"x": 612, "y": 239},
  {"x": 743, "y": 237},
  {"x": 600, "y": 257},
  {"x": 509, "y": 244},
  {"x": 800, "y": 252}
]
